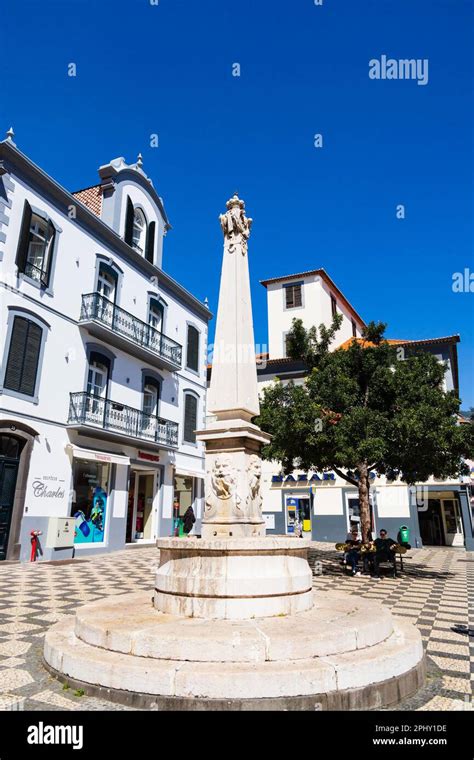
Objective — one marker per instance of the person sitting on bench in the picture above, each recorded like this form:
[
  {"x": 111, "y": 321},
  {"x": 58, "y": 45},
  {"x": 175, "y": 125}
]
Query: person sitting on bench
[
  {"x": 353, "y": 554},
  {"x": 384, "y": 553}
]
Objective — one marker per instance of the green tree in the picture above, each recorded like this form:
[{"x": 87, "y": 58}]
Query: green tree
[{"x": 370, "y": 407}]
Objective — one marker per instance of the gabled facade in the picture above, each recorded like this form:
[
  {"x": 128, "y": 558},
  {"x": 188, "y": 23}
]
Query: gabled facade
[
  {"x": 312, "y": 297},
  {"x": 102, "y": 364}
]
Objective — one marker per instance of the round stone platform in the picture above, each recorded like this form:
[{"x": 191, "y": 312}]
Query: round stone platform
[
  {"x": 344, "y": 653},
  {"x": 235, "y": 579}
]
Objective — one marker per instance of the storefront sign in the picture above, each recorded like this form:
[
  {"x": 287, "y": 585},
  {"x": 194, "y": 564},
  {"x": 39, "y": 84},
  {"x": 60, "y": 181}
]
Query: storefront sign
[
  {"x": 103, "y": 457},
  {"x": 48, "y": 487},
  {"x": 306, "y": 480},
  {"x": 148, "y": 457}
]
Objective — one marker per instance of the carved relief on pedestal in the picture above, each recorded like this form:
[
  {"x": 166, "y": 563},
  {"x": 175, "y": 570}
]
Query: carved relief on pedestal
[
  {"x": 235, "y": 225},
  {"x": 221, "y": 490},
  {"x": 254, "y": 497}
]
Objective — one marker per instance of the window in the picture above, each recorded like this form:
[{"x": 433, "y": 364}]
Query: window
[
  {"x": 293, "y": 296},
  {"x": 150, "y": 399},
  {"x": 11, "y": 447},
  {"x": 139, "y": 231},
  {"x": 97, "y": 378},
  {"x": 192, "y": 353},
  {"x": 190, "y": 417},
  {"x": 107, "y": 282},
  {"x": 89, "y": 508},
  {"x": 333, "y": 306},
  {"x": 97, "y": 383},
  {"x": 35, "y": 248},
  {"x": 23, "y": 356},
  {"x": 150, "y": 243},
  {"x": 139, "y": 234},
  {"x": 354, "y": 329},
  {"x": 155, "y": 314}
]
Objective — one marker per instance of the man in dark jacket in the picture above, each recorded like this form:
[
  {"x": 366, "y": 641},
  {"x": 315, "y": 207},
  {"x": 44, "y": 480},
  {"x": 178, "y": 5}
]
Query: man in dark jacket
[
  {"x": 188, "y": 520},
  {"x": 384, "y": 553}
]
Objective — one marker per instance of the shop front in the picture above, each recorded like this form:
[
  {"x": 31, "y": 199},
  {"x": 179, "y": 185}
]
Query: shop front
[
  {"x": 187, "y": 492},
  {"x": 99, "y": 480},
  {"x": 440, "y": 519},
  {"x": 298, "y": 513},
  {"x": 144, "y": 485}
]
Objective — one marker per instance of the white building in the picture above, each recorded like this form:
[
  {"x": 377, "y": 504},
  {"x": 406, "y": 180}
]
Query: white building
[
  {"x": 103, "y": 356},
  {"x": 436, "y": 513}
]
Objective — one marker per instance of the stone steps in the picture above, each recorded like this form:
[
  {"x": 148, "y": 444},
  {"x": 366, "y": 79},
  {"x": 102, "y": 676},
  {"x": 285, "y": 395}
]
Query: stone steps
[
  {"x": 334, "y": 625},
  {"x": 398, "y": 654}
]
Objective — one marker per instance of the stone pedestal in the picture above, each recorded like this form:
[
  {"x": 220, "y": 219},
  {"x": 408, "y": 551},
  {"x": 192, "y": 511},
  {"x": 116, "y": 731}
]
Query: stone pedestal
[
  {"x": 233, "y": 503},
  {"x": 233, "y": 579}
]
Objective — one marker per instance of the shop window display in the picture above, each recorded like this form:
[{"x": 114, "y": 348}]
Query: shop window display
[{"x": 91, "y": 481}]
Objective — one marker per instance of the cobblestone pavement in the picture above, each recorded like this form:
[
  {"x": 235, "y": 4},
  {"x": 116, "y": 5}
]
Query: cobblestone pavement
[{"x": 435, "y": 591}]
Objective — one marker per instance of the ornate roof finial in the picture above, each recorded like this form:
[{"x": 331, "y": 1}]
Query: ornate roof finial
[
  {"x": 10, "y": 135},
  {"x": 140, "y": 160},
  {"x": 206, "y": 302}
]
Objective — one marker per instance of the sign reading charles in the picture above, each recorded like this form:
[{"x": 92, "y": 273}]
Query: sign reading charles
[{"x": 48, "y": 487}]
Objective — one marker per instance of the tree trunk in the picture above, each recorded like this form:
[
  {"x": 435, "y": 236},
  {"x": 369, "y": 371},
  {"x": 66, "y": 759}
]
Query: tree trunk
[{"x": 364, "y": 501}]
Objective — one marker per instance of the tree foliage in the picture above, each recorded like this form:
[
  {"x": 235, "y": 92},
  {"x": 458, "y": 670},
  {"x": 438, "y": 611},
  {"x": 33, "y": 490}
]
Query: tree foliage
[{"x": 370, "y": 407}]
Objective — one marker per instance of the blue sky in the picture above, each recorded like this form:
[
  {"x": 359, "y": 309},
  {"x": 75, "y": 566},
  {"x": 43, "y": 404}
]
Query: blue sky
[{"x": 167, "y": 69}]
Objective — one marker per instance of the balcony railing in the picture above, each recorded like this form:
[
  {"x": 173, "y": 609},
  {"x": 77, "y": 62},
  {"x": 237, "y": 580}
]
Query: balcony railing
[
  {"x": 97, "y": 308},
  {"x": 87, "y": 409}
]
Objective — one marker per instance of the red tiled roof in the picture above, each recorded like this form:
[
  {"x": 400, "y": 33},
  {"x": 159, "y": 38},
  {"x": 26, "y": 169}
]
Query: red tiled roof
[
  {"x": 91, "y": 197},
  {"x": 396, "y": 342}
]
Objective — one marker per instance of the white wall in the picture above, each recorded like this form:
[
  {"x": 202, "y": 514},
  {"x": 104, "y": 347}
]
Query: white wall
[{"x": 315, "y": 310}]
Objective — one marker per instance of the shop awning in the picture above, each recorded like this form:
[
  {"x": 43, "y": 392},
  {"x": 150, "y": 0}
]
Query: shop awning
[
  {"x": 95, "y": 456},
  {"x": 190, "y": 473}
]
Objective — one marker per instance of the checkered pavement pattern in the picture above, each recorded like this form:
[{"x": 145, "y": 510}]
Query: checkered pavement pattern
[{"x": 435, "y": 591}]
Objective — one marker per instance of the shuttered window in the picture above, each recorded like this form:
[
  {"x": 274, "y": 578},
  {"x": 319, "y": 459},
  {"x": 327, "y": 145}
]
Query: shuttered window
[
  {"x": 293, "y": 296},
  {"x": 35, "y": 246},
  {"x": 129, "y": 219},
  {"x": 190, "y": 417},
  {"x": 192, "y": 353},
  {"x": 150, "y": 243},
  {"x": 23, "y": 356}
]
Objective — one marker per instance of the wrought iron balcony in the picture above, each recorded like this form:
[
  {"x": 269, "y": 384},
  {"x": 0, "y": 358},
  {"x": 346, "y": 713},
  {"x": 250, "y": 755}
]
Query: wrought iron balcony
[
  {"x": 103, "y": 318},
  {"x": 120, "y": 421}
]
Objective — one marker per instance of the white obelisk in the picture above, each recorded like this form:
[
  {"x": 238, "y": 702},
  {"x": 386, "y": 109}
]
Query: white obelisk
[{"x": 233, "y": 442}]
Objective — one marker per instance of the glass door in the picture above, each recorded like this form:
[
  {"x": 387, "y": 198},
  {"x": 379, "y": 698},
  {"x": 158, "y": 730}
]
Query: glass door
[{"x": 453, "y": 529}]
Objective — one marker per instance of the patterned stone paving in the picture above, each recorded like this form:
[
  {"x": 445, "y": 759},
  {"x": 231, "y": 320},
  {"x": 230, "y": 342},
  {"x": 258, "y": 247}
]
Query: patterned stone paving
[{"x": 435, "y": 592}]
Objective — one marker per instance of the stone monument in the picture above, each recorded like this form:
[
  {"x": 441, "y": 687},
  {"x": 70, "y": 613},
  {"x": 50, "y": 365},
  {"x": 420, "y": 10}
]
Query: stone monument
[{"x": 234, "y": 622}]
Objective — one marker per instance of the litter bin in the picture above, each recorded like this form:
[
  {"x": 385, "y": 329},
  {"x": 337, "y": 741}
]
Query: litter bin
[{"x": 404, "y": 534}]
